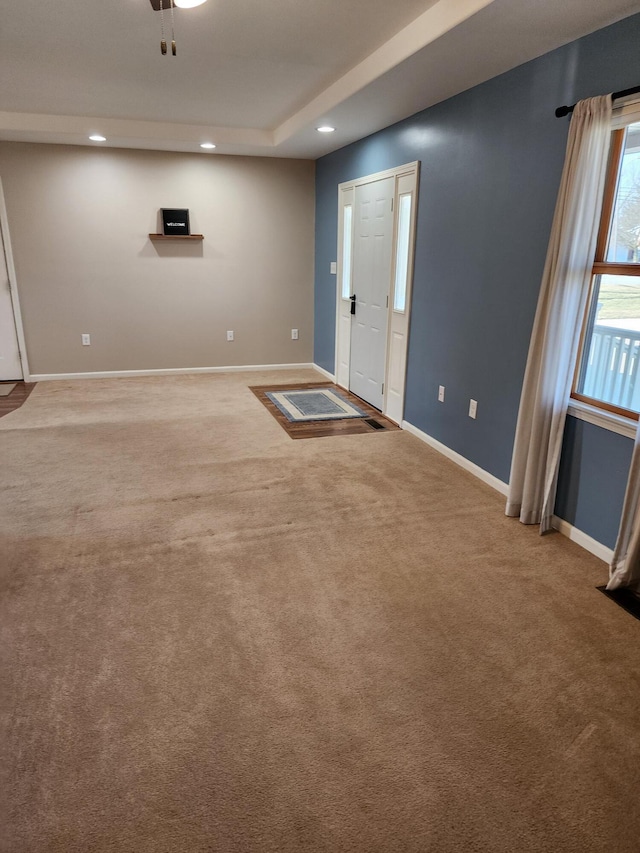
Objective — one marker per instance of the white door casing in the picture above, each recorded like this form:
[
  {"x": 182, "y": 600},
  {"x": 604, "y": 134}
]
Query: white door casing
[
  {"x": 399, "y": 271},
  {"x": 10, "y": 363},
  {"x": 7, "y": 263},
  {"x": 372, "y": 254}
]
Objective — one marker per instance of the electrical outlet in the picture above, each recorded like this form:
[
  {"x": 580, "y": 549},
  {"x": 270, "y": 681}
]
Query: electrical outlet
[
  {"x": 229, "y": 336},
  {"x": 334, "y": 267},
  {"x": 86, "y": 340},
  {"x": 294, "y": 334},
  {"x": 441, "y": 393},
  {"x": 473, "y": 408}
]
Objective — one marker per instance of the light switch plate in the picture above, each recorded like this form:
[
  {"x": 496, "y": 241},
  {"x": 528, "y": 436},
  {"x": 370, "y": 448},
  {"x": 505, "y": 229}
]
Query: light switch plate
[
  {"x": 334, "y": 267},
  {"x": 473, "y": 408}
]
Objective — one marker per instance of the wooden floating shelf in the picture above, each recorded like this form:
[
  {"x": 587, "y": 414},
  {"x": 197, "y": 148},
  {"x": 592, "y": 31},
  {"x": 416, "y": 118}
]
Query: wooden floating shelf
[{"x": 176, "y": 236}]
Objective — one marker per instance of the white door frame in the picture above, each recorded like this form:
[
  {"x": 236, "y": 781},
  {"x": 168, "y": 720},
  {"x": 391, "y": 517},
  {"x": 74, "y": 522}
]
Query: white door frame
[
  {"x": 13, "y": 286},
  {"x": 406, "y": 184}
]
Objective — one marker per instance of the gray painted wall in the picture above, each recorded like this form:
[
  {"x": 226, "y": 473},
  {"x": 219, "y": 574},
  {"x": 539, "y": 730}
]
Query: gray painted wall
[
  {"x": 79, "y": 220},
  {"x": 491, "y": 164}
]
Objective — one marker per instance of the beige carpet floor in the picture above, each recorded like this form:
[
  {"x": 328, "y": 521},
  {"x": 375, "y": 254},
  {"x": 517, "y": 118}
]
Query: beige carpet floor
[{"x": 214, "y": 638}]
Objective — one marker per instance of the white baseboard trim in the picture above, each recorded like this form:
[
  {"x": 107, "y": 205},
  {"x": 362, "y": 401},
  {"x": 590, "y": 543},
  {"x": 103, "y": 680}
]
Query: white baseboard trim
[
  {"x": 596, "y": 548},
  {"x": 587, "y": 542},
  {"x": 460, "y": 460},
  {"x": 324, "y": 372},
  {"x": 115, "y": 374}
]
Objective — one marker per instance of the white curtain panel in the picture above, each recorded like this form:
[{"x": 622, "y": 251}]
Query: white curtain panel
[
  {"x": 625, "y": 565},
  {"x": 556, "y": 330}
]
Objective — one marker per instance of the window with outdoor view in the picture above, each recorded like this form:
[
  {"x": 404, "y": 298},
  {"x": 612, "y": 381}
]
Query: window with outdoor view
[{"x": 608, "y": 372}]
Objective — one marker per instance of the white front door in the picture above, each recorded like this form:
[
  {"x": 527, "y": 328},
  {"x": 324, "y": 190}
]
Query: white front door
[
  {"x": 10, "y": 366},
  {"x": 372, "y": 255}
]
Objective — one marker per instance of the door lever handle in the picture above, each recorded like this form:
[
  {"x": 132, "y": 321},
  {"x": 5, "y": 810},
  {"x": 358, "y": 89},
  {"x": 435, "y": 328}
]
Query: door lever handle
[{"x": 353, "y": 303}]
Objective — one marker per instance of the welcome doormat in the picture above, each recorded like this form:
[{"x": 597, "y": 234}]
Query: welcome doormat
[
  {"x": 307, "y": 424},
  {"x": 314, "y": 404}
]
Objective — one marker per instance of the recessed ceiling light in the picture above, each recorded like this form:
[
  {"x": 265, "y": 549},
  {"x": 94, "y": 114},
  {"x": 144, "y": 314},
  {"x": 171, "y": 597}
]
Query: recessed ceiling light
[
  {"x": 207, "y": 145},
  {"x": 97, "y": 138},
  {"x": 326, "y": 128},
  {"x": 188, "y": 4}
]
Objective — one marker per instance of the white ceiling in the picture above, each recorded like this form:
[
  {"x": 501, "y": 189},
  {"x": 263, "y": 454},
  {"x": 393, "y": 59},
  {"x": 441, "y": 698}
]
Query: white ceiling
[{"x": 258, "y": 77}]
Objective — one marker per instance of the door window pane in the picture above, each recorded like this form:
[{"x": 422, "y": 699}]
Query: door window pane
[
  {"x": 610, "y": 365},
  {"x": 624, "y": 237},
  {"x": 346, "y": 250},
  {"x": 402, "y": 253}
]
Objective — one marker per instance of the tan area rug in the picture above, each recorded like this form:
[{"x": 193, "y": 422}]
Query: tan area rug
[
  {"x": 214, "y": 638},
  {"x": 5, "y": 390}
]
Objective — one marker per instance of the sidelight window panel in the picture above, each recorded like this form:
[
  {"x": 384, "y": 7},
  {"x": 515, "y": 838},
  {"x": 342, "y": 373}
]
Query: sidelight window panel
[
  {"x": 346, "y": 250},
  {"x": 402, "y": 253}
]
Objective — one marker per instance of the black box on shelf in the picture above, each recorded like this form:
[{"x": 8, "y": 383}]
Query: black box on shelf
[{"x": 175, "y": 221}]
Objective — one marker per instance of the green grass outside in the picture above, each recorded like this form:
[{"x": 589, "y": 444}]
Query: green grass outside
[{"x": 619, "y": 301}]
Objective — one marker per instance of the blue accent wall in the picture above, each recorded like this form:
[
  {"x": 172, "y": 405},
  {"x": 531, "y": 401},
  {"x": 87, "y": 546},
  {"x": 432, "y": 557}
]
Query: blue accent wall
[
  {"x": 491, "y": 160},
  {"x": 593, "y": 475}
]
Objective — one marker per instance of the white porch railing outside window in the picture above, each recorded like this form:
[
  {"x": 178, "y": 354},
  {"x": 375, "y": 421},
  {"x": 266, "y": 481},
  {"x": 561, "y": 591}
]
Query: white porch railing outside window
[{"x": 611, "y": 373}]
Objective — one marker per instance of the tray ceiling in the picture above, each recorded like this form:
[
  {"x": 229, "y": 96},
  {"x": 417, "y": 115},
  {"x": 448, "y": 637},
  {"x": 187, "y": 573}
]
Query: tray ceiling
[{"x": 256, "y": 77}]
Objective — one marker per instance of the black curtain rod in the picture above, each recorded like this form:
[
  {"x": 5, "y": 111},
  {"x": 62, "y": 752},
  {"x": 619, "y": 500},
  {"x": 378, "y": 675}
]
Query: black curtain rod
[{"x": 561, "y": 112}]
